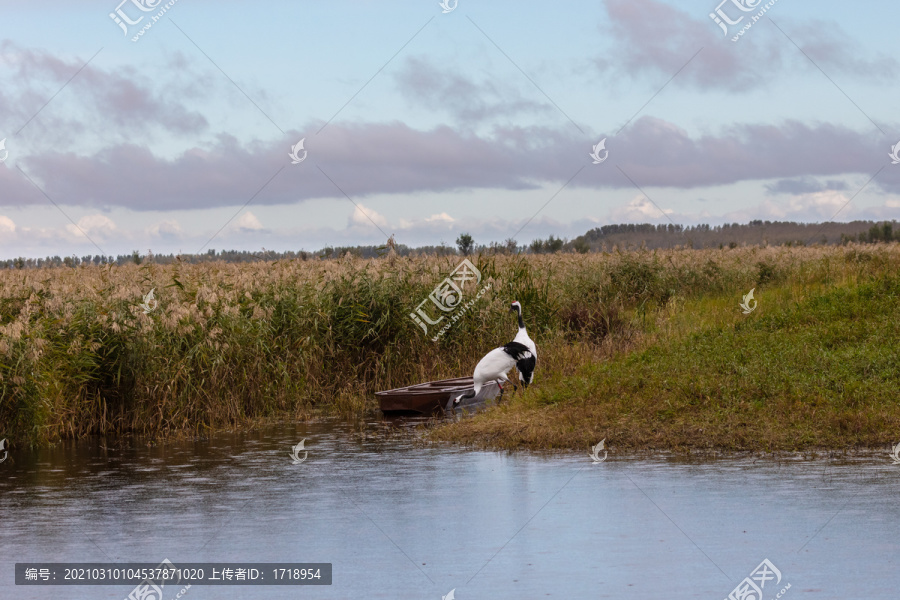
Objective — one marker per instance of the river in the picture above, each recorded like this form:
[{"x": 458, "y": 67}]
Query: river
[{"x": 400, "y": 519}]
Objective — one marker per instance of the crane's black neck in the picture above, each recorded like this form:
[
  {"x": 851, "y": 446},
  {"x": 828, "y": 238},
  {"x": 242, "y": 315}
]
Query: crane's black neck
[{"x": 521, "y": 320}]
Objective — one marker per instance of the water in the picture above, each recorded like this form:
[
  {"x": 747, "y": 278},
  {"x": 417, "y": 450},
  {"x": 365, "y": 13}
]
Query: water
[{"x": 400, "y": 520}]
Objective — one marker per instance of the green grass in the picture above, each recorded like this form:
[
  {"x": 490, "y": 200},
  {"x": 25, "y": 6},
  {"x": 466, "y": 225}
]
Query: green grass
[{"x": 820, "y": 372}]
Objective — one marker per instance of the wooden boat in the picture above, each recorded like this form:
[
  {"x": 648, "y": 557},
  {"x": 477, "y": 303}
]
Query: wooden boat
[{"x": 433, "y": 396}]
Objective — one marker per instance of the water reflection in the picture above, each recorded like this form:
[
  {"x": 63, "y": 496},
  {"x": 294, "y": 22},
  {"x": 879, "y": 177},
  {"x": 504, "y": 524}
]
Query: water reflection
[{"x": 403, "y": 519}]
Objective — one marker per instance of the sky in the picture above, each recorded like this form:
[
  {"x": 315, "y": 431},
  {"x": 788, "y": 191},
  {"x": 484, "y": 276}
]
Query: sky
[{"x": 172, "y": 129}]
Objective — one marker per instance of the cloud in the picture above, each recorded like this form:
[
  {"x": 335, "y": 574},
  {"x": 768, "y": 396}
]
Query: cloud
[
  {"x": 248, "y": 223},
  {"x": 360, "y": 159},
  {"x": 96, "y": 227},
  {"x": 393, "y": 158},
  {"x": 468, "y": 101},
  {"x": 366, "y": 217},
  {"x": 435, "y": 224},
  {"x": 650, "y": 37},
  {"x": 15, "y": 190},
  {"x": 828, "y": 45},
  {"x": 118, "y": 102},
  {"x": 829, "y": 205},
  {"x": 436, "y": 228},
  {"x": 7, "y": 227},
  {"x": 638, "y": 209},
  {"x": 803, "y": 185},
  {"x": 790, "y": 149},
  {"x": 168, "y": 229},
  {"x": 817, "y": 206},
  {"x": 440, "y": 218}
]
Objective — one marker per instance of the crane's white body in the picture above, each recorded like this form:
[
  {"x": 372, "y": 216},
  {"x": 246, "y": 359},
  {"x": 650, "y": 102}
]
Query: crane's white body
[
  {"x": 520, "y": 353},
  {"x": 493, "y": 367}
]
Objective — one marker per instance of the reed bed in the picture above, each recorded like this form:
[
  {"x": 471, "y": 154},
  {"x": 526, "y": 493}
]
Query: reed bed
[{"x": 229, "y": 343}]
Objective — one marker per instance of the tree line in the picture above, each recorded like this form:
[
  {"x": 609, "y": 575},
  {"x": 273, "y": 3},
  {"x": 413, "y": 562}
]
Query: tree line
[{"x": 622, "y": 236}]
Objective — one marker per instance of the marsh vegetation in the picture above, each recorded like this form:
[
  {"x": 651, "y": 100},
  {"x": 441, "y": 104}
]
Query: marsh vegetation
[{"x": 645, "y": 348}]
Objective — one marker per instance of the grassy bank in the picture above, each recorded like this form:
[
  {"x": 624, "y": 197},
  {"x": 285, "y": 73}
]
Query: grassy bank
[
  {"x": 816, "y": 365},
  {"x": 644, "y": 348}
]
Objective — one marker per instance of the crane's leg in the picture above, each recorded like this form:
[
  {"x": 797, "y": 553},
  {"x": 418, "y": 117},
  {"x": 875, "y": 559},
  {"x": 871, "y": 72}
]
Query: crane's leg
[
  {"x": 507, "y": 380},
  {"x": 469, "y": 394}
]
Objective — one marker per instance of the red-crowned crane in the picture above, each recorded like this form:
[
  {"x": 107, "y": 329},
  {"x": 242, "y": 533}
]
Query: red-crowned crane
[{"x": 519, "y": 353}]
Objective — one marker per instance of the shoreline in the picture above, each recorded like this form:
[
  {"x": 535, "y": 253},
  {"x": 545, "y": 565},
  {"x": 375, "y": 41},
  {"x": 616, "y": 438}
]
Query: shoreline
[{"x": 418, "y": 432}]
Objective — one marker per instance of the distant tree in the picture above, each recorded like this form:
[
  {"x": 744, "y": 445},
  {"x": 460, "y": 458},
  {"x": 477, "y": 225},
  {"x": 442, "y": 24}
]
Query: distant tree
[
  {"x": 497, "y": 248},
  {"x": 624, "y": 236},
  {"x": 554, "y": 245},
  {"x": 465, "y": 243}
]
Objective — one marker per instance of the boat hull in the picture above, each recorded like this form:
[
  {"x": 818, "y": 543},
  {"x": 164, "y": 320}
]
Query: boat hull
[{"x": 433, "y": 396}]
